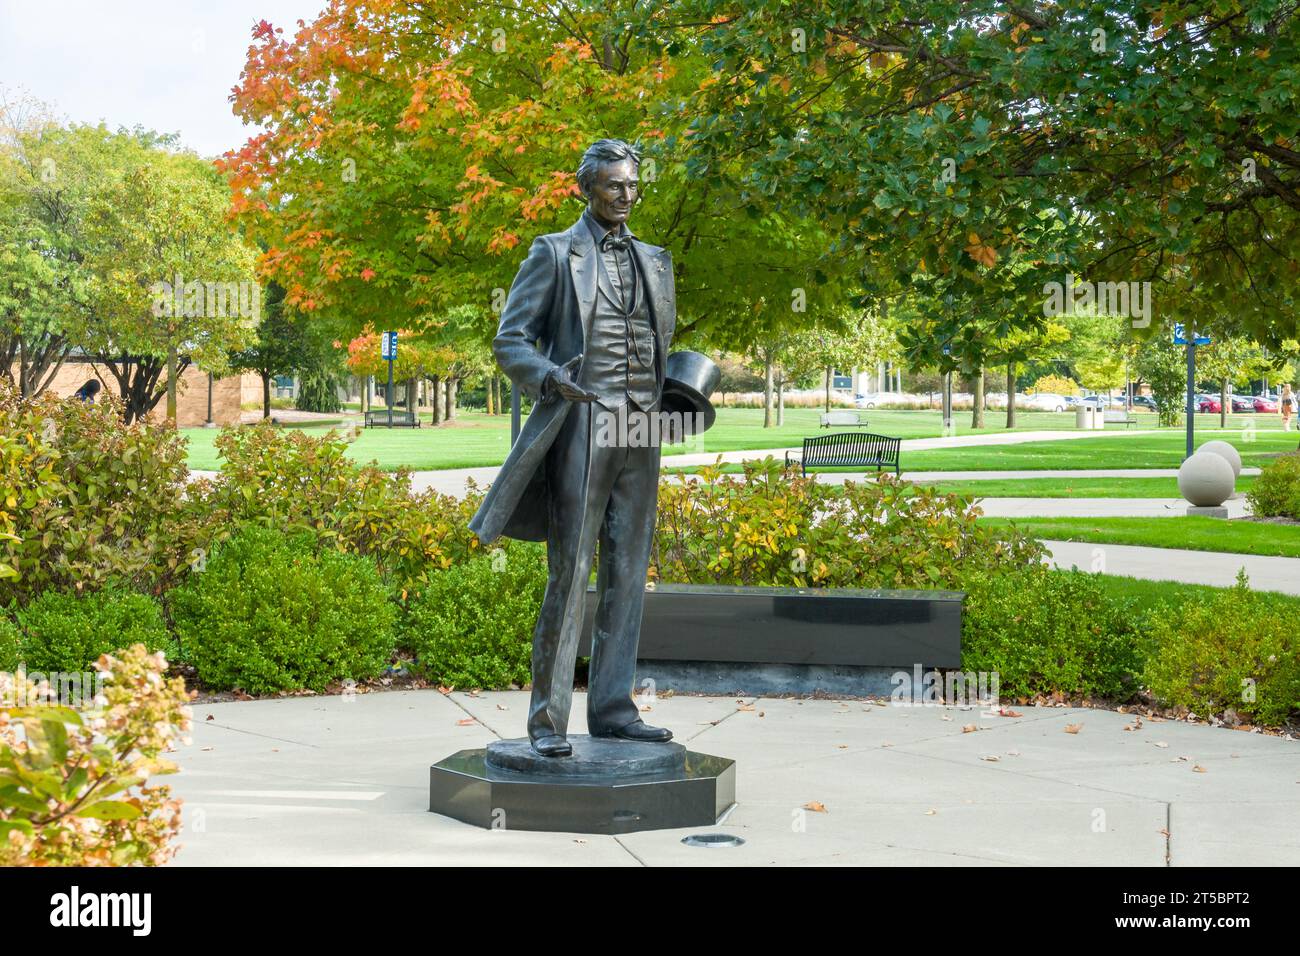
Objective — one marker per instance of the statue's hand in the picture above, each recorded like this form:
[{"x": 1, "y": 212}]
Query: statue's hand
[{"x": 561, "y": 380}]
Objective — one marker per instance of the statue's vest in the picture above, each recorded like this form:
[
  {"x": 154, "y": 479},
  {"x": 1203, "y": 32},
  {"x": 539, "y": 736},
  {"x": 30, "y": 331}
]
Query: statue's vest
[{"x": 619, "y": 365}]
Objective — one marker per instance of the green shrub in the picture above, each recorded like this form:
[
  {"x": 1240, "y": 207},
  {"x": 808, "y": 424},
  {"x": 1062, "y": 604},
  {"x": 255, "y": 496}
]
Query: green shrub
[
  {"x": 1236, "y": 649},
  {"x": 769, "y": 527},
  {"x": 1276, "y": 492},
  {"x": 269, "y": 612},
  {"x": 473, "y": 625},
  {"x": 103, "y": 501},
  {"x": 10, "y": 652},
  {"x": 1042, "y": 631},
  {"x": 68, "y": 631}
]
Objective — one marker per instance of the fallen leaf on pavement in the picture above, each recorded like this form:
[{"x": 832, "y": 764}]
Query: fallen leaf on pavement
[
  {"x": 466, "y": 722},
  {"x": 815, "y": 807},
  {"x": 1073, "y": 728}
]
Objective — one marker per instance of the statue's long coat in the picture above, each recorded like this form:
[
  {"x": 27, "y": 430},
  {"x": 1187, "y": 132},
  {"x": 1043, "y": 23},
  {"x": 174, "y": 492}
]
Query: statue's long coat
[{"x": 551, "y": 303}]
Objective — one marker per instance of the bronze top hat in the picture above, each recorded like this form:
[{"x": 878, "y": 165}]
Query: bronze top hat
[{"x": 689, "y": 379}]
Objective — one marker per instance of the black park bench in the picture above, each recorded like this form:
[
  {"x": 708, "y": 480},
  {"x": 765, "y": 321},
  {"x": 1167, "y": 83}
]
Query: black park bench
[
  {"x": 402, "y": 418},
  {"x": 848, "y": 449}
]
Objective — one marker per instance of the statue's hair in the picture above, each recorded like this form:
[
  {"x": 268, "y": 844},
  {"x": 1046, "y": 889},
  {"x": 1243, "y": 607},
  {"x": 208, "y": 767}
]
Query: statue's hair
[{"x": 599, "y": 153}]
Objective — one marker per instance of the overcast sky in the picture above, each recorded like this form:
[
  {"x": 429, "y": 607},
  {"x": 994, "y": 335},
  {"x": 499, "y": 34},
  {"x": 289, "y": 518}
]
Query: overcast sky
[{"x": 167, "y": 66}]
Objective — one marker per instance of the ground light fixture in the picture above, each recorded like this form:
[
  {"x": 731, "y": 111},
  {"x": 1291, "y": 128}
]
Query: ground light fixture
[{"x": 713, "y": 840}]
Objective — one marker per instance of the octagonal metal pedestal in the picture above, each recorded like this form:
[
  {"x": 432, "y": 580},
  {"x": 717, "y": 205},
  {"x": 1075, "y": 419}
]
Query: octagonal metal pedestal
[{"x": 604, "y": 787}]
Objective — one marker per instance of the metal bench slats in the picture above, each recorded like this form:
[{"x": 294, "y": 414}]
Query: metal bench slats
[{"x": 848, "y": 449}]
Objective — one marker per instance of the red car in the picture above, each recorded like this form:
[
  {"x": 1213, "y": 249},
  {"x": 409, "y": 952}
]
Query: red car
[
  {"x": 1208, "y": 404},
  {"x": 1265, "y": 404}
]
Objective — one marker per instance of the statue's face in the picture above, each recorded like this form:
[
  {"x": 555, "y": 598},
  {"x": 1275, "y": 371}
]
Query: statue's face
[{"x": 615, "y": 192}]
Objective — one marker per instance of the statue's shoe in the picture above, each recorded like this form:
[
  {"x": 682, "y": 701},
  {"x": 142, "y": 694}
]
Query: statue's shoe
[
  {"x": 552, "y": 745},
  {"x": 640, "y": 730}
]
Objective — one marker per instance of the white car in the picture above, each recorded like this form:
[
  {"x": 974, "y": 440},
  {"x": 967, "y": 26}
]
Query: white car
[{"x": 1043, "y": 402}]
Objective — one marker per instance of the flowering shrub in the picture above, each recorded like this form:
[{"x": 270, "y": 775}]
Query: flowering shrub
[
  {"x": 292, "y": 481},
  {"x": 771, "y": 527},
  {"x": 94, "y": 499},
  {"x": 74, "y": 783}
]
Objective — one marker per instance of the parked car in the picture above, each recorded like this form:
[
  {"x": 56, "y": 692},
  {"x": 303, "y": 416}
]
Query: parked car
[
  {"x": 1243, "y": 403},
  {"x": 1094, "y": 401},
  {"x": 1208, "y": 403},
  {"x": 1044, "y": 402},
  {"x": 1263, "y": 403},
  {"x": 1144, "y": 401},
  {"x": 1072, "y": 401}
]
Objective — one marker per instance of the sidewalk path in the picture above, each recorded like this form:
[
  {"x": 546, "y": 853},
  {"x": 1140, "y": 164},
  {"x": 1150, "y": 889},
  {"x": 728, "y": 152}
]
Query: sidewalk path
[
  {"x": 1098, "y": 507},
  {"x": 1174, "y": 564},
  {"x": 310, "y": 781}
]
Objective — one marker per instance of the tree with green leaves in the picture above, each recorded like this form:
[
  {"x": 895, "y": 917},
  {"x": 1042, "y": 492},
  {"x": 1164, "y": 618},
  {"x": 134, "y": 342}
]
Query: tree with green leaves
[{"x": 170, "y": 283}]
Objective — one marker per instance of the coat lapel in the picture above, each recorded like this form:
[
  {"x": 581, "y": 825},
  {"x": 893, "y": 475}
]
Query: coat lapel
[
  {"x": 583, "y": 271},
  {"x": 656, "y": 266}
]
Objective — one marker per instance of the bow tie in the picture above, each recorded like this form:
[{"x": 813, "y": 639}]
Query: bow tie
[{"x": 615, "y": 242}]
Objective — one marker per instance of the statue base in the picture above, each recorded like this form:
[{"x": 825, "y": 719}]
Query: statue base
[{"x": 606, "y": 785}]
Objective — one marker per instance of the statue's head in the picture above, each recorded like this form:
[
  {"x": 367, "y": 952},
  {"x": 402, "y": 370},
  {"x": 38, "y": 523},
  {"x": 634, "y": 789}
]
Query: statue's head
[{"x": 607, "y": 177}]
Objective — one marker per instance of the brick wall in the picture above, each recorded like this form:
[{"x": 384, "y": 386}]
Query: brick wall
[{"x": 191, "y": 400}]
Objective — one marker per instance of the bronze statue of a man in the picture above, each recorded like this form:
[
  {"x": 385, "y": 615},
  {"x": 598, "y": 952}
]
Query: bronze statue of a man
[{"x": 585, "y": 332}]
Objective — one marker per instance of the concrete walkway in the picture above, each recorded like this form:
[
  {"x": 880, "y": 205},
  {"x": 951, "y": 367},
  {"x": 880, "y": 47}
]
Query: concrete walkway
[
  {"x": 1175, "y": 564},
  {"x": 1098, "y": 507},
  {"x": 332, "y": 781}
]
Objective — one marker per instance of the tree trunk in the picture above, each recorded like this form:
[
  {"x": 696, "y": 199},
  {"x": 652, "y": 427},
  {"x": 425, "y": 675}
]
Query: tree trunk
[
  {"x": 767, "y": 393},
  {"x": 171, "y": 384},
  {"x": 490, "y": 398},
  {"x": 1223, "y": 404},
  {"x": 829, "y": 372},
  {"x": 453, "y": 384},
  {"x": 266, "y": 393},
  {"x": 977, "y": 413},
  {"x": 435, "y": 381},
  {"x": 1011, "y": 394},
  {"x": 780, "y": 400}
]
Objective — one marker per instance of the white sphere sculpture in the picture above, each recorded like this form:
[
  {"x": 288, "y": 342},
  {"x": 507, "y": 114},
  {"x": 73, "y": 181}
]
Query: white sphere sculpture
[
  {"x": 1205, "y": 480},
  {"x": 1230, "y": 454}
]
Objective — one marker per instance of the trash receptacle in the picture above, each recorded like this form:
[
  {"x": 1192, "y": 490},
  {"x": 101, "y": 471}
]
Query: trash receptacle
[{"x": 1088, "y": 417}]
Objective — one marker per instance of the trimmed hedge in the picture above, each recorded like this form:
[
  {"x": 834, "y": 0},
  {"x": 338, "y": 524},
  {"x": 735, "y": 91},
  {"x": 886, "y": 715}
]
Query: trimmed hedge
[
  {"x": 67, "y": 631},
  {"x": 1236, "y": 649},
  {"x": 10, "y": 637},
  {"x": 1276, "y": 492},
  {"x": 473, "y": 625},
  {"x": 1043, "y": 630},
  {"x": 269, "y": 613}
]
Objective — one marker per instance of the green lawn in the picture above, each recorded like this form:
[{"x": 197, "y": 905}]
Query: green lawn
[
  {"x": 1185, "y": 531},
  {"x": 1072, "y": 487},
  {"x": 1145, "y": 593},
  {"x": 477, "y": 439}
]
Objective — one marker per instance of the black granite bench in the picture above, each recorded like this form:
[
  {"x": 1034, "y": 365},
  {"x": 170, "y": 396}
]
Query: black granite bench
[
  {"x": 763, "y": 640},
  {"x": 863, "y": 449},
  {"x": 402, "y": 418}
]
